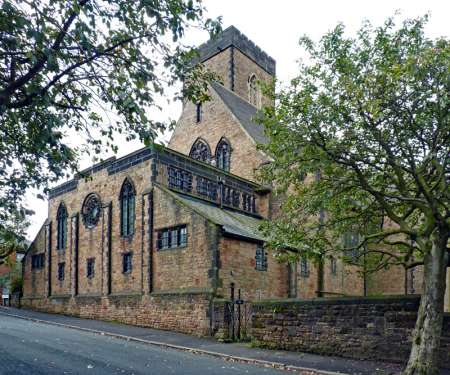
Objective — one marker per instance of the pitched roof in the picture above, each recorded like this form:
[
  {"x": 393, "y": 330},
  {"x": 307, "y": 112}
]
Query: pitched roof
[
  {"x": 243, "y": 111},
  {"x": 233, "y": 37},
  {"x": 231, "y": 222}
]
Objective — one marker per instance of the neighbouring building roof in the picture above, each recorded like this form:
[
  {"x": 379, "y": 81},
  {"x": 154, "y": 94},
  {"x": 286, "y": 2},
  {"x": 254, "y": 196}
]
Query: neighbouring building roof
[
  {"x": 232, "y": 222},
  {"x": 243, "y": 111},
  {"x": 233, "y": 37}
]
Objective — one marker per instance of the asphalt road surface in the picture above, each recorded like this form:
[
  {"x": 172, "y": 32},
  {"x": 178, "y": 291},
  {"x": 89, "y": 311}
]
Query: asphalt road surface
[{"x": 30, "y": 348}]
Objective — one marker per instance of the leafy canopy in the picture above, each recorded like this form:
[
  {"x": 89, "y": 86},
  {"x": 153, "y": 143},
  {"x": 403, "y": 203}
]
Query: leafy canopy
[
  {"x": 367, "y": 122},
  {"x": 89, "y": 69}
]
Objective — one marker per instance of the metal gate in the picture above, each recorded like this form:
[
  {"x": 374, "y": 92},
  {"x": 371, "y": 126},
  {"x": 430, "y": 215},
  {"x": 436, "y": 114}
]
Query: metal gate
[{"x": 240, "y": 314}]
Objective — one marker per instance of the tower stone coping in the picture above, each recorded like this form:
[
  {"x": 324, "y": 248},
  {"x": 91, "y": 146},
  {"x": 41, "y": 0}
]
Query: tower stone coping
[{"x": 231, "y": 36}]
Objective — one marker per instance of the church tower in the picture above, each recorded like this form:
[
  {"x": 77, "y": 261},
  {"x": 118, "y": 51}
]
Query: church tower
[
  {"x": 239, "y": 63},
  {"x": 222, "y": 131}
]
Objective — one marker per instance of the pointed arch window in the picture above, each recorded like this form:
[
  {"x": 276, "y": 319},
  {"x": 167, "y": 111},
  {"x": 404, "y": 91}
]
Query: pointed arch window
[
  {"x": 61, "y": 219},
  {"x": 223, "y": 155},
  {"x": 253, "y": 91},
  {"x": 127, "y": 208},
  {"x": 200, "y": 151}
]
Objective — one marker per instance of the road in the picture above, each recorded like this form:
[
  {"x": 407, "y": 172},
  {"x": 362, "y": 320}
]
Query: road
[{"x": 30, "y": 348}]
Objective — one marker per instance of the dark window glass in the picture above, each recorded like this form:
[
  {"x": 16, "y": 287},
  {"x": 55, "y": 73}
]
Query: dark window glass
[
  {"x": 304, "y": 267},
  {"x": 351, "y": 242},
  {"x": 200, "y": 151},
  {"x": 227, "y": 195},
  {"x": 236, "y": 199},
  {"x": 199, "y": 112},
  {"x": 179, "y": 179},
  {"x": 333, "y": 266},
  {"x": 61, "y": 230},
  {"x": 223, "y": 155},
  {"x": 37, "y": 261},
  {"x": 207, "y": 188},
  {"x": 260, "y": 258},
  {"x": 126, "y": 263},
  {"x": 61, "y": 271},
  {"x": 172, "y": 237},
  {"x": 127, "y": 209},
  {"x": 90, "y": 267},
  {"x": 248, "y": 203},
  {"x": 183, "y": 236}
]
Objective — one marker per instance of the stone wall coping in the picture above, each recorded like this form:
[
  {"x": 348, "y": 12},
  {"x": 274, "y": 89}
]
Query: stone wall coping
[
  {"x": 60, "y": 296},
  {"x": 339, "y": 301},
  {"x": 182, "y": 291},
  {"x": 88, "y": 295}
]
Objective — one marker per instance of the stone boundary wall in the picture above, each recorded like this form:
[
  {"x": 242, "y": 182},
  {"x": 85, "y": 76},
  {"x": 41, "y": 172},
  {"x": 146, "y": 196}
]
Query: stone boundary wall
[
  {"x": 181, "y": 312},
  {"x": 363, "y": 328}
]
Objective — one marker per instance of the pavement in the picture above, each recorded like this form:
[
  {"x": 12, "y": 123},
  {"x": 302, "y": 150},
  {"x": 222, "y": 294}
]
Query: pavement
[{"x": 172, "y": 344}]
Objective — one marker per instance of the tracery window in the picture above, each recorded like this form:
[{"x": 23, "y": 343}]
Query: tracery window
[
  {"x": 200, "y": 151},
  {"x": 223, "y": 153},
  {"x": 127, "y": 208},
  {"x": 253, "y": 91},
  {"x": 61, "y": 219},
  {"x": 91, "y": 210}
]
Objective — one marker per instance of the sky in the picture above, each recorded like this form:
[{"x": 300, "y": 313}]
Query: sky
[{"x": 276, "y": 26}]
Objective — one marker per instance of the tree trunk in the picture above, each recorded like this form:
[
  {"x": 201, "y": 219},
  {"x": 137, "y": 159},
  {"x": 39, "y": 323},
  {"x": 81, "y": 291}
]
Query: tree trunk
[{"x": 424, "y": 357}]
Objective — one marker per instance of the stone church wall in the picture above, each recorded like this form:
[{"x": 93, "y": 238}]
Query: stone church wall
[
  {"x": 237, "y": 265},
  {"x": 220, "y": 122},
  {"x": 186, "y": 267}
]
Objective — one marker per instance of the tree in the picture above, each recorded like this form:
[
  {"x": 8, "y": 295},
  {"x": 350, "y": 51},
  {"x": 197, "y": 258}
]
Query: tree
[
  {"x": 369, "y": 116},
  {"x": 12, "y": 234},
  {"x": 86, "y": 68}
]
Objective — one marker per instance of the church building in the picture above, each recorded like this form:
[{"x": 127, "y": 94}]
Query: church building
[{"x": 156, "y": 237}]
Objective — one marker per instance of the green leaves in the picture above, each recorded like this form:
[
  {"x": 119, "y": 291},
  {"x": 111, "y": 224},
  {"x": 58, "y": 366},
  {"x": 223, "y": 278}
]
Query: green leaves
[
  {"x": 66, "y": 65},
  {"x": 371, "y": 113}
]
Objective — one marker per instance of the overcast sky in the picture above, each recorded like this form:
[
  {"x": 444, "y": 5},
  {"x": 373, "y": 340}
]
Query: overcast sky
[{"x": 276, "y": 26}]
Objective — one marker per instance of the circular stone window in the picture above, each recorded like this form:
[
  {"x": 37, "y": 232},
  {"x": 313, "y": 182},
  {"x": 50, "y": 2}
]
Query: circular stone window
[{"x": 91, "y": 210}]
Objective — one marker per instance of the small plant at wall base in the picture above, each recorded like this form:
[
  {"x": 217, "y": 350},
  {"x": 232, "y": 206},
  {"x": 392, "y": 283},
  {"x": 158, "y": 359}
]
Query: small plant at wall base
[
  {"x": 91, "y": 68},
  {"x": 369, "y": 117}
]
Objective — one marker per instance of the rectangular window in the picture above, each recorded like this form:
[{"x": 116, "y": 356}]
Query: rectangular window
[
  {"x": 126, "y": 262},
  {"x": 333, "y": 266},
  {"x": 174, "y": 237},
  {"x": 260, "y": 258},
  {"x": 207, "y": 188},
  {"x": 351, "y": 242},
  {"x": 227, "y": 195},
  {"x": 236, "y": 199},
  {"x": 61, "y": 271},
  {"x": 90, "y": 267},
  {"x": 37, "y": 261},
  {"x": 199, "y": 112},
  {"x": 304, "y": 267},
  {"x": 179, "y": 179}
]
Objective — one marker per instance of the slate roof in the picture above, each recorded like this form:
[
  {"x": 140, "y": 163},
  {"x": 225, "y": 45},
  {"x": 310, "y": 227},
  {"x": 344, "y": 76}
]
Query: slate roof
[
  {"x": 233, "y": 37},
  {"x": 231, "y": 222},
  {"x": 243, "y": 111}
]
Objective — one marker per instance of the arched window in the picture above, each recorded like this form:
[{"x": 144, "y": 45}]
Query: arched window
[
  {"x": 253, "y": 91},
  {"x": 61, "y": 219},
  {"x": 223, "y": 153},
  {"x": 127, "y": 202},
  {"x": 200, "y": 151}
]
